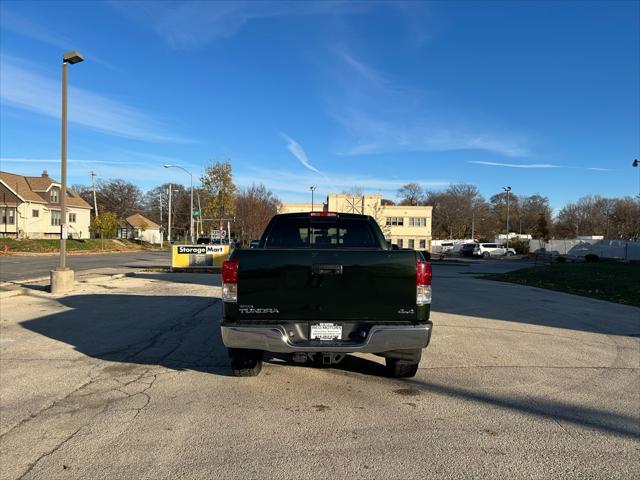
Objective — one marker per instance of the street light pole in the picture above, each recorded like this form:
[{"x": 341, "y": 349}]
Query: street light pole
[
  {"x": 635, "y": 164},
  {"x": 62, "y": 277},
  {"x": 313, "y": 189},
  {"x": 507, "y": 189},
  {"x": 191, "y": 211}
]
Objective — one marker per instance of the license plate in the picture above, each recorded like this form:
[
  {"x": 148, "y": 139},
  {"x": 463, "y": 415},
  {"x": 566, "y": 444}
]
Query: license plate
[{"x": 326, "y": 331}]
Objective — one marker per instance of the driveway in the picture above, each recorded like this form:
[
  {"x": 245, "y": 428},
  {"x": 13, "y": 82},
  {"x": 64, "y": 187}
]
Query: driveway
[{"x": 129, "y": 379}]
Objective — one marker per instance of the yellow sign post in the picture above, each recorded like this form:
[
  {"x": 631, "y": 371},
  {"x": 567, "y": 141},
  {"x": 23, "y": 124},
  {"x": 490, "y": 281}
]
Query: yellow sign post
[{"x": 198, "y": 256}]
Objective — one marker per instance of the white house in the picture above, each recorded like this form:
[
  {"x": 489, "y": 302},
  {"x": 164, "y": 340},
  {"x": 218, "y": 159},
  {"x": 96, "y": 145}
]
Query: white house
[
  {"x": 139, "y": 227},
  {"x": 30, "y": 208}
]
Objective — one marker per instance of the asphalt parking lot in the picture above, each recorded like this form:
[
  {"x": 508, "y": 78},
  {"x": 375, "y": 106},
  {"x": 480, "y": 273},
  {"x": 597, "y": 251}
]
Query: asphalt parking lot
[{"x": 129, "y": 379}]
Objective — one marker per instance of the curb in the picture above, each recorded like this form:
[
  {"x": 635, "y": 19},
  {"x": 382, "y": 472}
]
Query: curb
[{"x": 14, "y": 292}]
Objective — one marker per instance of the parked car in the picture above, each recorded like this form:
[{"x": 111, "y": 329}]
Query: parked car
[
  {"x": 321, "y": 285},
  {"x": 254, "y": 243},
  {"x": 467, "y": 249},
  {"x": 486, "y": 250}
]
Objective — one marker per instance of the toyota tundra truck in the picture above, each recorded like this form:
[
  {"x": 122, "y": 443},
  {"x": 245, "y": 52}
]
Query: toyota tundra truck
[{"x": 320, "y": 285}]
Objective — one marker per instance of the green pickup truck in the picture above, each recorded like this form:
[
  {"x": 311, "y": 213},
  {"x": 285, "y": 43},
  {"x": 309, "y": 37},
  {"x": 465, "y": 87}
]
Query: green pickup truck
[{"x": 320, "y": 285}]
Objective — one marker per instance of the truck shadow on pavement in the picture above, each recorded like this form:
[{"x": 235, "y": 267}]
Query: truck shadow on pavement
[{"x": 177, "y": 332}]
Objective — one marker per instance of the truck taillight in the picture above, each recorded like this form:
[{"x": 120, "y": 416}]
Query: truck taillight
[
  {"x": 323, "y": 214},
  {"x": 423, "y": 273},
  {"x": 423, "y": 283},
  {"x": 230, "y": 281}
]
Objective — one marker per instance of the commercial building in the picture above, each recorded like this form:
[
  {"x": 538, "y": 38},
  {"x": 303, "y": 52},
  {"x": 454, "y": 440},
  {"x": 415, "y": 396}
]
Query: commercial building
[
  {"x": 30, "y": 208},
  {"x": 406, "y": 226}
]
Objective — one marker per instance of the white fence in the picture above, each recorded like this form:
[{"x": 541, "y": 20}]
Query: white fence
[{"x": 617, "y": 249}]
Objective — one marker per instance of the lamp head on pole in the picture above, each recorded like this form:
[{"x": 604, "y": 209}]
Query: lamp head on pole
[
  {"x": 167, "y": 165},
  {"x": 72, "y": 57},
  {"x": 506, "y": 189},
  {"x": 635, "y": 163}
]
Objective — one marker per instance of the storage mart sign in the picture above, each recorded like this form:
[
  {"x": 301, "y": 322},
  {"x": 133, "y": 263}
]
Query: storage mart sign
[{"x": 198, "y": 256}]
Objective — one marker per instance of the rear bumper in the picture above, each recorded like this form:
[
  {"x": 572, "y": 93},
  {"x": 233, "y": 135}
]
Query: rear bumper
[{"x": 274, "y": 338}]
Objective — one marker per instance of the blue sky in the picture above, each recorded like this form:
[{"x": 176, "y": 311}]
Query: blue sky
[{"x": 543, "y": 96}]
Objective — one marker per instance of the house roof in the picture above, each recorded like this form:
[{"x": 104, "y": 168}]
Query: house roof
[
  {"x": 136, "y": 220},
  {"x": 32, "y": 189},
  {"x": 19, "y": 185}
]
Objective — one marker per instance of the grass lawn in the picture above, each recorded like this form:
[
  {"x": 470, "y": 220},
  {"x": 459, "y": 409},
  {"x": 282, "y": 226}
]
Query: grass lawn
[
  {"x": 613, "y": 281},
  {"x": 53, "y": 245}
]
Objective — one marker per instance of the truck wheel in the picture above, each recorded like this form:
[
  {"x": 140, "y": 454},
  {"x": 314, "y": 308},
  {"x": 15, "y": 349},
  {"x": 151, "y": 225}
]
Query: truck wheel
[
  {"x": 245, "y": 363},
  {"x": 486, "y": 255},
  {"x": 401, "y": 368}
]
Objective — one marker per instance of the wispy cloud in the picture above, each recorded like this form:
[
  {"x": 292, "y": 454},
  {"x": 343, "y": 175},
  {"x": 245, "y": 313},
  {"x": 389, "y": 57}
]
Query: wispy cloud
[
  {"x": 27, "y": 90},
  {"x": 285, "y": 182},
  {"x": 297, "y": 151},
  {"x": 57, "y": 161},
  {"x": 516, "y": 165},
  {"x": 190, "y": 24},
  {"x": 379, "y": 115},
  {"x": 598, "y": 169},
  {"x": 16, "y": 23}
]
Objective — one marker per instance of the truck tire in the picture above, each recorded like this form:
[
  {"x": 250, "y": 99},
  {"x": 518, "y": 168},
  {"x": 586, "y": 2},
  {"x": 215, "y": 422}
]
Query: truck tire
[
  {"x": 245, "y": 363},
  {"x": 401, "y": 368},
  {"x": 486, "y": 255}
]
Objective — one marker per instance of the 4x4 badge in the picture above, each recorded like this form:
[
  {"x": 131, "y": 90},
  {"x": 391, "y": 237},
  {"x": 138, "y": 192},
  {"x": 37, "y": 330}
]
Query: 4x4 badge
[{"x": 402, "y": 311}]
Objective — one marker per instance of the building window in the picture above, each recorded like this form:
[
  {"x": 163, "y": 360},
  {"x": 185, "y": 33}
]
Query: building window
[
  {"x": 35, "y": 213},
  {"x": 412, "y": 243},
  {"x": 72, "y": 218},
  {"x": 53, "y": 195},
  {"x": 400, "y": 243},
  {"x": 423, "y": 244},
  {"x": 8, "y": 215},
  {"x": 393, "y": 221},
  {"x": 55, "y": 218},
  {"x": 417, "y": 221}
]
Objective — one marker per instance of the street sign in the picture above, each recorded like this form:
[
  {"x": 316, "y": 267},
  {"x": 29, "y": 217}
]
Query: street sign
[{"x": 197, "y": 212}]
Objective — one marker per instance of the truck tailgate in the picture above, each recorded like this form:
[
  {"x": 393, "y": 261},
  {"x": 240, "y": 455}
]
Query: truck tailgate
[{"x": 319, "y": 284}]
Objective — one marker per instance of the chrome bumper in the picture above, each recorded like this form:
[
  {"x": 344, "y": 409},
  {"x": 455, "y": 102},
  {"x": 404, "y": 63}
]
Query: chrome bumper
[{"x": 274, "y": 338}]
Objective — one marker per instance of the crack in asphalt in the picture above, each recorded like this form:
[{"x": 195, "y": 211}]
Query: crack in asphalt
[{"x": 182, "y": 328}]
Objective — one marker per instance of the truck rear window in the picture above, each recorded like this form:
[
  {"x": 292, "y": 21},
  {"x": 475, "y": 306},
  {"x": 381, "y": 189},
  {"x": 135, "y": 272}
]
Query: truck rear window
[{"x": 321, "y": 232}]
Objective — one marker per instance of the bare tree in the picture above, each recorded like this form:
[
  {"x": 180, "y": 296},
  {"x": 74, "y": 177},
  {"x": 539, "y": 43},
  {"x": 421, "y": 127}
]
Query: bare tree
[
  {"x": 410, "y": 194},
  {"x": 254, "y": 208},
  {"x": 459, "y": 212}
]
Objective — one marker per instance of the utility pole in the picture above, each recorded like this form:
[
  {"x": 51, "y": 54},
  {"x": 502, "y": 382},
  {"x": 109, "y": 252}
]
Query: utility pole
[
  {"x": 507, "y": 189},
  {"x": 160, "y": 218},
  {"x": 93, "y": 184},
  {"x": 169, "y": 222},
  {"x": 473, "y": 224},
  {"x": 635, "y": 165},
  {"x": 200, "y": 210}
]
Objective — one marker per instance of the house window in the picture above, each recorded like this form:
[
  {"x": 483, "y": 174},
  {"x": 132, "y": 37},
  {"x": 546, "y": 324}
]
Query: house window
[
  {"x": 53, "y": 196},
  {"x": 35, "y": 213},
  {"x": 417, "y": 222},
  {"x": 400, "y": 243},
  {"x": 55, "y": 218},
  {"x": 8, "y": 215},
  {"x": 72, "y": 218},
  {"x": 412, "y": 243},
  {"x": 393, "y": 221},
  {"x": 423, "y": 244}
]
